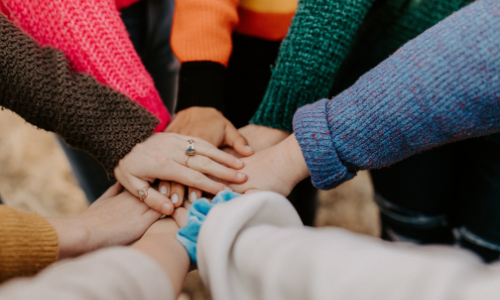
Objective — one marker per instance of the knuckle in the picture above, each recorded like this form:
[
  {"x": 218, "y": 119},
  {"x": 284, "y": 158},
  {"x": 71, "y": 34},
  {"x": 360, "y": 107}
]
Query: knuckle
[
  {"x": 197, "y": 176},
  {"x": 205, "y": 163},
  {"x": 151, "y": 202}
]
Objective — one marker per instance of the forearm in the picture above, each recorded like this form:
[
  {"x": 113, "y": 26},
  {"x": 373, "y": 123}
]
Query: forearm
[
  {"x": 95, "y": 42},
  {"x": 441, "y": 87},
  {"x": 37, "y": 84},
  {"x": 201, "y": 40},
  {"x": 317, "y": 42},
  {"x": 255, "y": 247},
  {"x": 114, "y": 273},
  {"x": 28, "y": 243},
  {"x": 168, "y": 252}
]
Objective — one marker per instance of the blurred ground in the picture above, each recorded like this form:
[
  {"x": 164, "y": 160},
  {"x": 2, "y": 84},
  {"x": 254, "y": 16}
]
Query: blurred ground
[{"x": 35, "y": 176}]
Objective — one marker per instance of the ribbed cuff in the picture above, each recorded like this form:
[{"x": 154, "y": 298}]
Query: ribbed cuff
[
  {"x": 28, "y": 243},
  {"x": 201, "y": 83},
  {"x": 315, "y": 139}
]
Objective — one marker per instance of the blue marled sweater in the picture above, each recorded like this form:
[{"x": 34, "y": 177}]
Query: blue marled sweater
[{"x": 441, "y": 87}]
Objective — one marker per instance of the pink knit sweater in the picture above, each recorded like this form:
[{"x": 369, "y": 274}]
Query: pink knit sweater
[{"x": 95, "y": 41}]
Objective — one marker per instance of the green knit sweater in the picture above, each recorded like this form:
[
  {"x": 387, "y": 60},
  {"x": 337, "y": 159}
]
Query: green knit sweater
[{"x": 331, "y": 43}]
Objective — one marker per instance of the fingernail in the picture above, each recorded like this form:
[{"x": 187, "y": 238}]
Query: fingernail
[
  {"x": 249, "y": 148},
  {"x": 239, "y": 161},
  {"x": 165, "y": 209},
  {"x": 163, "y": 190},
  {"x": 175, "y": 199},
  {"x": 241, "y": 175},
  {"x": 193, "y": 197},
  {"x": 226, "y": 188}
]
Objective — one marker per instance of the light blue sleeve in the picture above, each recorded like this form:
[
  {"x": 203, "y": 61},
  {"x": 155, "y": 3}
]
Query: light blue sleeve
[{"x": 197, "y": 214}]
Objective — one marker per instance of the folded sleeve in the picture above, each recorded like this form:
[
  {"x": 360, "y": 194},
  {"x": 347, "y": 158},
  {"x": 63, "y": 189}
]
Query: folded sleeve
[
  {"x": 441, "y": 87},
  {"x": 113, "y": 273},
  {"x": 37, "y": 84},
  {"x": 28, "y": 243}
]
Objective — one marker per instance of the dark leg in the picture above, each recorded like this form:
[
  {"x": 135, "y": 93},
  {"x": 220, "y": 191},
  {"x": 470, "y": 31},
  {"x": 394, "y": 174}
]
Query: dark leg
[
  {"x": 148, "y": 23},
  {"x": 480, "y": 194},
  {"x": 413, "y": 197}
]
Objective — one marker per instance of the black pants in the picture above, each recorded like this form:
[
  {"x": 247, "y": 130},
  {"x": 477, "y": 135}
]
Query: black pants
[{"x": 448, "y": 195}]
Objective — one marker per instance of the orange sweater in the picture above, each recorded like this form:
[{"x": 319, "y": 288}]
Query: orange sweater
[
  {"x": 201, "y": 29},
  {"x": 202, "y": 32},
  {"x": 28, "y": 243}
]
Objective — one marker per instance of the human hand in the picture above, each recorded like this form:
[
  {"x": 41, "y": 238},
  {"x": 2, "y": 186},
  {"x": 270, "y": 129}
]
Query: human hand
[
  {"x": 116, "y": 218},
  {"x": 262, "y": 137},
  {"x": 277, "y": 169},
  {"x": 210, "y": 125},
  {"x": 163, "y": 156}
]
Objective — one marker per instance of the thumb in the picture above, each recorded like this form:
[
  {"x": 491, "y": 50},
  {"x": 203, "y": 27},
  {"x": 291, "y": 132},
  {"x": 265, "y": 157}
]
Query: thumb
[{"x": 235, "y": 140}]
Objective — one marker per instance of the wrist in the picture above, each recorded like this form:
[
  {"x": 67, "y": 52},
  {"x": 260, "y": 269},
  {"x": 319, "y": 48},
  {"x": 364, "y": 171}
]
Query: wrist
[
  {"x": 295, "y": 162},
  {"x": 201, "y": 83},
  {"x": 161, "y": 244},
  {"x": 73, "y": 237},
  {"x": 262, "y": 137}
]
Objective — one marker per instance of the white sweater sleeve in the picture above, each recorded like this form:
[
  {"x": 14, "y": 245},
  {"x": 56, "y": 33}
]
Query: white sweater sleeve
[
  {"x": 255, "y": 247},
  {"x": 114, "y": 273}
]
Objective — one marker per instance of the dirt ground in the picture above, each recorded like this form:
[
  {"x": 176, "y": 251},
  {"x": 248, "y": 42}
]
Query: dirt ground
[{"x": 35, "y": 176}]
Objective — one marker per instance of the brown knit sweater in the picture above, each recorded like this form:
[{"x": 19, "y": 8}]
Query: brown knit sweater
[
  {"x": 28, "y": 243},
  {"x": 37, "y": 84}
]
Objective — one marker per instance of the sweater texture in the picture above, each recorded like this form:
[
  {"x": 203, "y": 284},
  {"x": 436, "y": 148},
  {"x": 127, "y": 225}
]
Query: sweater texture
[
  {"x": 95, "y": 41},
  {"x": 331, "y": 43},
  {"x": 202, "y": 40},
  {"x": 441, "y": 87},
  {"x": 28, "y": 243},
  {"x": 37, "y": 84}
]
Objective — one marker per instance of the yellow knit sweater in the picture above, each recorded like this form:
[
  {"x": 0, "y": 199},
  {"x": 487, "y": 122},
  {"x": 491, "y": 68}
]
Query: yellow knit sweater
[{"x": 28, "y": 243}]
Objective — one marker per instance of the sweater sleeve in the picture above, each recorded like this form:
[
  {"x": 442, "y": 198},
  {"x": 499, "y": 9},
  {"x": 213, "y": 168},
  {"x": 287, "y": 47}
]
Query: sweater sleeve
[
  {"x": 255, "y": 247},
  {"x": 318, "y": 40},
  {"x": 28, "y": 243},
  {"x": 95, "y": 41},
  {"x": 37, "y": 84},
  {"x": 201, "y": 40},
  {"x": 113, "y": 273},
  {"x": 441, "y": 87}
]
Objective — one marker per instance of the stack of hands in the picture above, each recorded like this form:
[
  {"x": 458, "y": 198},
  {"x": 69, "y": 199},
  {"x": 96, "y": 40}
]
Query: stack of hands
[{"x": 254, "y": 157}]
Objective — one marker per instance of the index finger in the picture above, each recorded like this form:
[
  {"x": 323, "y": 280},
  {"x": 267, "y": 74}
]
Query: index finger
[{"x": 206, "y": 149}]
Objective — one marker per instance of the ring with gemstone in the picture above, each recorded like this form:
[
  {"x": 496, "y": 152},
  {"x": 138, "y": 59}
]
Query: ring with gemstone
[
  {"x": 190, "y": 148},
  {"x": 143, "y": 193}
]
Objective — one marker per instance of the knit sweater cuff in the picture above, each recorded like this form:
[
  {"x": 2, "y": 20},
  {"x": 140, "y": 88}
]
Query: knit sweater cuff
[
  {"x": 201, "y": 83},
  {"x": 315, "y": 140},
  {"x": 28, "y": 243}
]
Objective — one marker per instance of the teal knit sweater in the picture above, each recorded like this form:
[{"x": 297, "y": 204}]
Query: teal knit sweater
[{"x": 331, "y": 43}]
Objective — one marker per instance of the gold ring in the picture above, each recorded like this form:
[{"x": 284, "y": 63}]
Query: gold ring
[
  {"x": 186, "y": 160},
  {"x": 190, "y": 148},
  {"x": 143, "y": 193}
]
